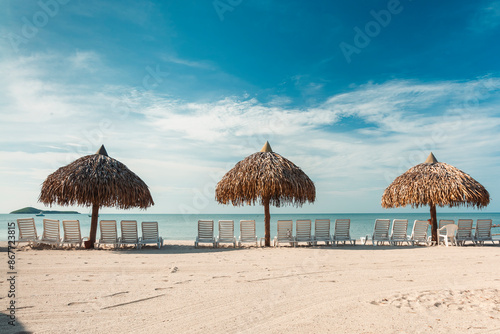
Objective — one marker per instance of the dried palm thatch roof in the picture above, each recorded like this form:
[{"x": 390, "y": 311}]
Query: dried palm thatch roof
[
  {"x": 435, "y": 183},
  {"x": 96, "y": 179},
  {"x": 265, "y": 175}
]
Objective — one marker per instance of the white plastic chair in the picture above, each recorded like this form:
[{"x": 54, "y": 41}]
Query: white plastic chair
[
  {"x": 72, "y": 234},
  {"x": 464, "y": 231},
  {"x": 247, "y": 232},
  {"x": 51, "y": 232},
  {"x": 205, "y": 233},
  {"x": 129, "y": 234},
  {"x": 419, "y": 232},
  {"x": 27, "y": 231},
  {"x": 150, "y": 234},
  {"x": 285, "y": 233},
  {"x": 444, "y": 222},
  {"x": 303, "y": 231},
  {"x": 109, "y": 234},
  {"x": 226, "y": 233},
  {"x": 447, "y": 234},
  {"x": 342, "y": 232},
  {"x": 322, "y": 231},
  {"x": 399, "y": 232}
]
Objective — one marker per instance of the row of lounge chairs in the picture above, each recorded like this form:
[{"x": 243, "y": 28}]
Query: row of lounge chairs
[
  {"x": 458, "y": 234},
  {"x": 72, "y": 234},
  {"x": 284, "y": 235}
]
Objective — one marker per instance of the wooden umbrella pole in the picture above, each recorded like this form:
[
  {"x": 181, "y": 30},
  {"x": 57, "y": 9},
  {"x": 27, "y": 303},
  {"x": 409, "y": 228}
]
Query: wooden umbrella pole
[
  {"x": 93, "y": 227},
  {"x": 434, "y": 223},
  {"x": 267, "y": 220}
]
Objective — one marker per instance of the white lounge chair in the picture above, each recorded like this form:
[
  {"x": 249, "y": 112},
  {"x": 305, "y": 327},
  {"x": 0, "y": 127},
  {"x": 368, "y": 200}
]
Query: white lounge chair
[
  {"x": 483, "y": 231},
  {"x": 342, "y": 232},
  {"x": 464, "y": 231},
  {"x": 226, "y": 233},
  {"x": 381, "y": 232},
  {"x": 303, "y": 231},
  {"x": 285, "y": 233},
  {"x": 51, "y": 232},
  {"x": 322, "y": 231},
  {"x": 444, "y": 222},
  {"x": 150, "y": 234},
  {"x": 247, "y": 232},
  {"x": 447, "y": 233},
  {"x": 109, "y": 234},
  {"x": 399, "y": 232},
  {"x": 129, "y": 235},
  {"x": 27, "y": 231},
  {"x": 72, "y": 234},
  {"x": 419, "y": 233},
  {"x": 205, "y": 233}
]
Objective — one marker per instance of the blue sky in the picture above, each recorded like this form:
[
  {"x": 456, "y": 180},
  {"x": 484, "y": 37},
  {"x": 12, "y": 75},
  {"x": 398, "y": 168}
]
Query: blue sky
[{"x": 354, "y": 93}]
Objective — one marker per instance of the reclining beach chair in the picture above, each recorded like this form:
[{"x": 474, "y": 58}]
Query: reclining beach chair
[
  {"x": 483, "y": 231},
  {"x": 381, "y": 232},
  {"x": 27, "y": 231},
  {"x": 399, "y": 232},
  {"x": 226, "y": 233},
  {"x": 247, "y": 232},
  {"x": 444, "y": 222},
  {"x": 129, "y": 233},
  {"x": 464, "y": 232},
  {"x": 51, "y": 232},
  {"x": 303, "y": 231},
  {"x": 285, "y": 233},
  {"x": 150, "y": 234},
  {"x": 419, "y": 233},
  {"x": 447, "y": 233},
  {"x": 322, "y": 231},
  {"x": 342, "y": 232},
  {"x": 72, "y": 234},
  {"x": 205, "y": 233},
  {"x": 109, "y": 234}
]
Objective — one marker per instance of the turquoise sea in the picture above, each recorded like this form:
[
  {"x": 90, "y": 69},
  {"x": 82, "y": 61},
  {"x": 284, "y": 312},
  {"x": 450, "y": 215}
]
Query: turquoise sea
[{"x": 184, "y": 227}]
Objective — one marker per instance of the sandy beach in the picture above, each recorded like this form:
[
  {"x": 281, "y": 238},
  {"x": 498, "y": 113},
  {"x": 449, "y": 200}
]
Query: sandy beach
[{"x": 346, "y": 289}]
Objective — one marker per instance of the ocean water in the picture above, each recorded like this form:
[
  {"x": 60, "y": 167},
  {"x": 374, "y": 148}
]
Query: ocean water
[{"x": 184, "y": 227}]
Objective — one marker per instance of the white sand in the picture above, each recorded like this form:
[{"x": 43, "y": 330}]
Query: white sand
[{"x": 180, "y": 289}]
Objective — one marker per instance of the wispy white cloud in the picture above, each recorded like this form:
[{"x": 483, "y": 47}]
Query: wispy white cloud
[
  {"x": 487, "y": 17},
  {"x": 181, "y": 148}
]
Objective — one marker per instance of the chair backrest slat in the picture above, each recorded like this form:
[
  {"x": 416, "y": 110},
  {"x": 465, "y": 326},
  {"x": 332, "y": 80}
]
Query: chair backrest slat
[
  {"x": 205, "y": 229},
  {"x": 109, "y": 232},
  {"x": 322, "y": 228},
  {"x": 303, "y": 230},
  {"x": 27, "y": 228},
  {"x": 129, "y": 231},
  {"x": 381, "y": 228},
  {"x": 342, "y": 229},
  {"x": 444, "y": 222},
  {"x": 150, "y": 231},
  {"x": 247, "y": 230},
  {"x": 226, "y": 229},
  {"x": 285, "y": 230},
  {"x": 483, "y": 228},
  {"x": 51, "y": 231},
  {"x": 420, "y": 228},
  {"x": 72, "y": 232},
  {"x": 464, "y": 228}
]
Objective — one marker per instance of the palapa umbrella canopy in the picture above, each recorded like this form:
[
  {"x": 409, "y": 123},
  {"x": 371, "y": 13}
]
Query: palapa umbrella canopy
[
  {"x": 434, "y": 184},
  {"x": 95, "y": 180},
  {"x": 267, "y": 178}
]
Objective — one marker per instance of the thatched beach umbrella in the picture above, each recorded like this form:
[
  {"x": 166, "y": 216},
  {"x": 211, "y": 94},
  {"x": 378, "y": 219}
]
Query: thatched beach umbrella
[
  {"x": 434, "y": 184},
  {"x": 267, "y": 178},
  {"x": 99, "y": 181}
]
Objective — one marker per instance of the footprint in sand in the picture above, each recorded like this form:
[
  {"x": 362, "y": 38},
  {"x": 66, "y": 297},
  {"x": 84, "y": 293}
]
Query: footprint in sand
[{"x": 174, "y": 270}]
